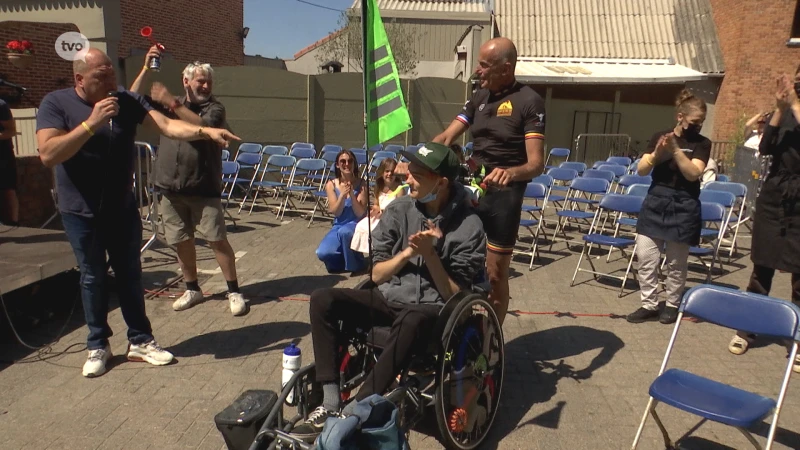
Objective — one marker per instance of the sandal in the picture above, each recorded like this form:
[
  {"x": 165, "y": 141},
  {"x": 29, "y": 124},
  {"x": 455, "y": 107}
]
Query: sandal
[{"x": 738, "y": 345}]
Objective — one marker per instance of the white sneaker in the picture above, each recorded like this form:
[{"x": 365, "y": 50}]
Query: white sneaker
[
  {"x": 149, "y": 352},
  {"x": 95, "y": 364},
  {"x": 238, "y": 303},
  {"x": 187, "y": 300}
]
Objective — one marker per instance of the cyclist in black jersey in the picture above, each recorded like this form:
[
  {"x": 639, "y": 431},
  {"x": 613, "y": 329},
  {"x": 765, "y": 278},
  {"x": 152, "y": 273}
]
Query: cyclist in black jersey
[{"x": 507, "y": 121}]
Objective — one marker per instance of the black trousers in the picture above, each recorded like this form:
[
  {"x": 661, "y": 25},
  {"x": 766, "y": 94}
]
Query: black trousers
[
  {"x": 761, "y": 282},
  {"x": 362, "y": 308}
]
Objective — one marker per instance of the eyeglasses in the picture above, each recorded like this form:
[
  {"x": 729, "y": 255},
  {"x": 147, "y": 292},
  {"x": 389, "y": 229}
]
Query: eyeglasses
[{"x": 345, "y": 161}]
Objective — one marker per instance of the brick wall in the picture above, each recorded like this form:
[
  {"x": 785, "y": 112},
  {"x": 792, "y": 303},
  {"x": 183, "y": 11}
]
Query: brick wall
[
  {"x": 35, "y": 181},
  {"x": 204, "y": 30},
  {"x": 48, "y": 71},
  {"x": 753, "y": 38}
]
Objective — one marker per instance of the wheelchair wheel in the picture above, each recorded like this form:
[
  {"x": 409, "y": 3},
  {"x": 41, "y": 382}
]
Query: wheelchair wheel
[{"x": 470, "y": 376}]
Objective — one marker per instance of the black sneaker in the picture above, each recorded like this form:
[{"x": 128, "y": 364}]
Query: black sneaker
[
  {"x": 311, "y": 428},
  {"x": 642, "y": 315},
  {"x": 668, "y": 315}
]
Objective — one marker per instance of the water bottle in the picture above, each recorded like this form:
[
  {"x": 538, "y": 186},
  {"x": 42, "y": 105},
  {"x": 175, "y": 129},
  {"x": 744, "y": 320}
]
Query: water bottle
[{"x": 291, "y": 364}]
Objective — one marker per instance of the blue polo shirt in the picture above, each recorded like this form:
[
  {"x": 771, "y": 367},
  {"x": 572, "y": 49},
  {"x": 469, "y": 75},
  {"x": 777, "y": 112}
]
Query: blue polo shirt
[{"x": 100, "y": 176}]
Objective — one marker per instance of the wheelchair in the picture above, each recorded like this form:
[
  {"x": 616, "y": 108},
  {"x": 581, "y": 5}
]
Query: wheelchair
[{"x": 458, "y": 377}]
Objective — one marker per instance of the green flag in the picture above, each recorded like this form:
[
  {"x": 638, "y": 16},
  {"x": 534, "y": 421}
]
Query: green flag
[{"x": 384, "y": 105}]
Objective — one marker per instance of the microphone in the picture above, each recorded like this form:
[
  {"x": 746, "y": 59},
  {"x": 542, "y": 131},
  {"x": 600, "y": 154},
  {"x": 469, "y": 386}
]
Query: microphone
[
  {"x": 12, "y": 85},
  {"x": 111, "y": 119}
]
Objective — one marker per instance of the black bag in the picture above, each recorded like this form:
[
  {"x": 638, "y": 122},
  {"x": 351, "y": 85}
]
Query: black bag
[{"x": 240, "y": 422}]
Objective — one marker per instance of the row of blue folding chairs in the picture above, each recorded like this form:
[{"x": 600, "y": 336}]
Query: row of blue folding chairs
[{"x": 586, "y": 189}]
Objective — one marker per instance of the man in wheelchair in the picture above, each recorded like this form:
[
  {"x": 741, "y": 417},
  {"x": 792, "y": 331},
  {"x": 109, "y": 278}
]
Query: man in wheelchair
[{"x": 427, "y": 247}]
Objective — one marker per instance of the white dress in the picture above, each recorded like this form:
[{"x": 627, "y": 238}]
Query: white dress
[{"x": 360, "y": 242}]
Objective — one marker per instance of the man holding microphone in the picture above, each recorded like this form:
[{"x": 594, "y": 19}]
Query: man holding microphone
[{"x": 87, "y": 134}]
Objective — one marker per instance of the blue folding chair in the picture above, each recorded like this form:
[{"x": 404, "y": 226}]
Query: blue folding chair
[
  {"x": 712, "y": 214},
  {"x": 300, "y": 152},
  {"x": 626, "y": 181},
  {"x": 615, "y": 204},
  {"x": 394, "y": 148},
  {"x": 230, "y": 171},
  {"x": 299, "y": 182},
  {"x": 226, "y": 155},
  {"x": 330, "y": 148},
  {"x": 547, "y": 181},
  {"x": 248, "y": 147},
  {"x": 537, "y": 192},
  {"x": 556, "y": 152},
  {"x": 725, "y": 199},
  {"x": 711, "y": 399},
  {"x": 621, "y": 160},
  {"x": 247, "y": 161},
  {"x": 634, "y": 167},
  {"x": 376, "y": 148},
  {"x": 274, "y": 150},
  {"x": 302, "y": 145},
  {"x": 598, "y": 173},
  {"x": 361, "y": 156},
  {"x": 279, "y": 164},
  {"x": 563, "y": 176},
  {"x": 579, "y": 166},
  {"x": 581, "y": 191},
  {"x": 739, "y": 214},
  {"x": 722, "y": 177},
  {"x": 639, "y": 190}
]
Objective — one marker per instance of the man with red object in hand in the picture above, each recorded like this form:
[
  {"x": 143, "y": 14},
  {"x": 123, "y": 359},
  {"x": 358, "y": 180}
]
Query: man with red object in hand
[{"x": 189, "y": 177}]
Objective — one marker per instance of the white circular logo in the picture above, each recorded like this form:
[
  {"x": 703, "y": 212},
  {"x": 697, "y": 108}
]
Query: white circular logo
[{"x": 72, "y": 46}]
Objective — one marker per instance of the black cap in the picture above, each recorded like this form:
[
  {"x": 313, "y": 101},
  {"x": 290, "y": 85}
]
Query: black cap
[{"x": 437, "y": 158}]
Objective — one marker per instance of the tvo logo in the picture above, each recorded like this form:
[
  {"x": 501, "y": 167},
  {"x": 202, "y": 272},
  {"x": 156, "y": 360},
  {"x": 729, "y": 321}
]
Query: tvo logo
[{"x": 72, "y": 46}]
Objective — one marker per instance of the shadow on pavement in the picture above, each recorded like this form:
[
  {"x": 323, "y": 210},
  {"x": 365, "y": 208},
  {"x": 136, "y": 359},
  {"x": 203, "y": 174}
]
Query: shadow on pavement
[
  {"x": 225, "y": 344},
  {"x": 290, "y": 286},
  {"x": 535, "y": 365}
]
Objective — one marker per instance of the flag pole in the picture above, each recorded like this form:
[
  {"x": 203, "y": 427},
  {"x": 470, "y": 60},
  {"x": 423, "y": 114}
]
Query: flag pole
[{"x": 364, "y": 68}]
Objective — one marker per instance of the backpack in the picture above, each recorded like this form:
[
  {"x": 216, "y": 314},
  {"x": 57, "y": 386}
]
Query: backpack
[{"x": 373, "y": 426}]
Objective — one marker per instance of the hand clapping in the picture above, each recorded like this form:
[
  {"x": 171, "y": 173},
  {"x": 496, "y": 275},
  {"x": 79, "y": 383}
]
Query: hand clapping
[
  {"x": 785, "y": 94},
  {"x": 422, "y": 242}
]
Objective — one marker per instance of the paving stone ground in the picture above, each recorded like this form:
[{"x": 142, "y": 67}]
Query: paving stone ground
[{"x": 572, "y": 381}]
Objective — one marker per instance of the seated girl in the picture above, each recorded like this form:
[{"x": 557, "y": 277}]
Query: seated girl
[
  {"x": 347, "y": 201},
  {"x": 387, "y": 188}
]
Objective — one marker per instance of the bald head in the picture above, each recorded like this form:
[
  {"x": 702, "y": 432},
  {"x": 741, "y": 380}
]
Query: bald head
[
  {"x": 501, "y": 50},
  {"x": 94, "y": 58},
  {"x": 94, "y": 76},
  {"x": 497, "y": 60}
]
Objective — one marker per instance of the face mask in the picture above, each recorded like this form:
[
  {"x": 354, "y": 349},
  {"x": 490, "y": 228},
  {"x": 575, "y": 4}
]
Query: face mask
[
  {"x": 431, "y": 195},
  {"x": 692, "y": 129},
  {"x": 797, "y": 88}
]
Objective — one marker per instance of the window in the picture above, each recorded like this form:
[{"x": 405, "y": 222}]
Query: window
[{"x": 794, "y": 38}]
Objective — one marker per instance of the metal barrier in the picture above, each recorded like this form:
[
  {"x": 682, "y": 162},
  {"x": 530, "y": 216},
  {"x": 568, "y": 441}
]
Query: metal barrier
[
  {"x": 750, "y": 170},
  {"x": 722, "y": 152},
  {"x": 144, "y": 189},
  {"x": 598, "y": 147}
]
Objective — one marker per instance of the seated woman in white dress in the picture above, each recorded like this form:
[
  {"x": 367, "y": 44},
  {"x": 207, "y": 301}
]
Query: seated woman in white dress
[{"x": 387, "y": 188}]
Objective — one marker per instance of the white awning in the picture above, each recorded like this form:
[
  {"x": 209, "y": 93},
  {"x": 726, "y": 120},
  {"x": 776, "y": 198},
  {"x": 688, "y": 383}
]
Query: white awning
[{"x": 603, "y": 71}]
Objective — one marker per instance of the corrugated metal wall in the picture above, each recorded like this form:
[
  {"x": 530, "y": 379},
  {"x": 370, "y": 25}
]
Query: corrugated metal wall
[
  {"x": 437, "y": 39},
  {"x": 682, "y": 29}
]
